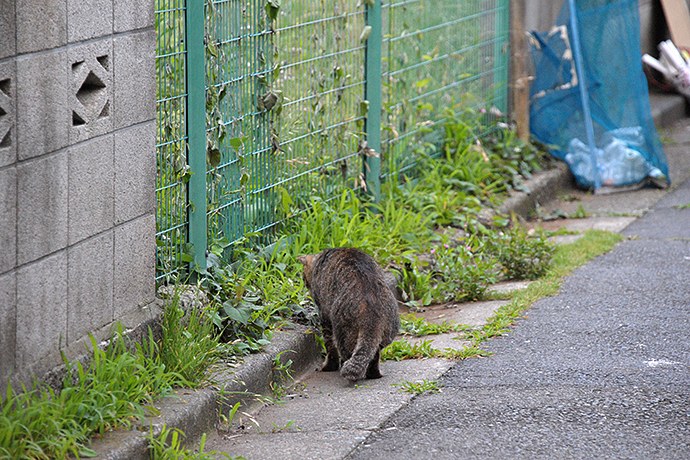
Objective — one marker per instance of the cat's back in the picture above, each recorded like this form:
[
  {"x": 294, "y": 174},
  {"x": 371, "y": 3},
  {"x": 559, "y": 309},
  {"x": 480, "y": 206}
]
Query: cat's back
[{"x": 346, "y": 267}]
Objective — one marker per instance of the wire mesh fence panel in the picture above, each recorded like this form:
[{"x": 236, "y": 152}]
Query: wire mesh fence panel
[
  {"x": 321, "y": 79},
  {"x": 285, "y": 90},
  {"x": 241, "y": 169},
  {"x": 438, "y": 54},
  {"x": 171, "y": 138}
]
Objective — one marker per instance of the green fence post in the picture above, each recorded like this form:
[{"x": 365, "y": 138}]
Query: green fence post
[
  {"x": 196, "y": 129},
  {"x": 372, "y": 93},
  {"x": 501, "y": 53}
]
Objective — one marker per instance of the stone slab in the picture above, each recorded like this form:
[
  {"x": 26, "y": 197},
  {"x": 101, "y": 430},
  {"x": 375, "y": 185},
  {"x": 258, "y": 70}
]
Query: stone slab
[
  {"x": 41, "y": 207},
  {"x": 43, "y": 114},
  {"x": 134, "y": 76},
  {"x": 41, "y": 308},
  {"x": 679, "y": 198},
  {"x": 610, "y": 224},
  {"x": 325, "y": 406},
  {"x": 8, "y": 29},
  {"x": 8, "y": 222},
  {"x": 135, "y": 264},
  {"x": 88, "y": 19},
  {"x": 90, "y": 188},
  {"x": 8, "y": 115},
  {"x": 470, "y": 313},
  {"x": 133, "y": 15},
  {"x": 90, "y": 278},
  {"x": 135, "y": 171},
  {"x": 91, "y": 89},
  {"x": 8, "y": 324},
  {"x": 40, "y": 25}
]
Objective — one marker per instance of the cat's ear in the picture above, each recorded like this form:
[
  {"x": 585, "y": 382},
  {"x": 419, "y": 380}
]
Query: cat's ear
[{"x": 306, "y": 260}]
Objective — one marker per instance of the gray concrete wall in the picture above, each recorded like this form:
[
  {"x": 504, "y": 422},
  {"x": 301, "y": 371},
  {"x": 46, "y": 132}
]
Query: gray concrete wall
[
  {"x": 77, "y": 175},
  {"x": 541, "y": 15}
]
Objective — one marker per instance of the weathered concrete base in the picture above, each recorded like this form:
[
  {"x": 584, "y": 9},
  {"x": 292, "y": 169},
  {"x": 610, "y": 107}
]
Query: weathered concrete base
[
  {"x": 135, "y": 325},
  {"x": 197, "y": 411},
  {"x": 326, "y": 416},
  {"x": 541, "y": 189}
]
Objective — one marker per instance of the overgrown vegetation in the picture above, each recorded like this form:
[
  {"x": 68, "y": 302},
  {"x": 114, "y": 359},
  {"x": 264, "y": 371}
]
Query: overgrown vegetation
[
  {"x": 115, "y": 389},
  {"x": 419, "y": 327},
  {"x": 428, "y": 229},
  {"x": 418, "y": 388},
  {"x": 168, "y": 445},
  {"x": 565, "y": 259}
]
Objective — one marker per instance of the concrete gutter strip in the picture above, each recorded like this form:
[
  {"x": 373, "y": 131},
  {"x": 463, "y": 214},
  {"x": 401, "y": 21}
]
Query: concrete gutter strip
[
  {"x": 196, "y": 411},
  {"x": 541, "y": 188}
]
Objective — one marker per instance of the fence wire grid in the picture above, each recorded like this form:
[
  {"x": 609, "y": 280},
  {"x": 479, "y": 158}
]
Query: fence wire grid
[{"x": 263, "y": 104}]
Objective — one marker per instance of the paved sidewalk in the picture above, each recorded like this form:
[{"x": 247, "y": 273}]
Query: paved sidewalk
[{"x": 601, "y": 370}]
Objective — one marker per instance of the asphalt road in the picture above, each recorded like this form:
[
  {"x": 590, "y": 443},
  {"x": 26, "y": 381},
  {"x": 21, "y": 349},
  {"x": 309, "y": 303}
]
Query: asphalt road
[{"x": 602, "y": 370}]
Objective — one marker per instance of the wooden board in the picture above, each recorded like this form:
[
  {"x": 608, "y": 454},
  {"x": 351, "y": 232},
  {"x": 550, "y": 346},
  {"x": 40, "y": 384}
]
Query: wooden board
[{"x": 678, "y": 19}]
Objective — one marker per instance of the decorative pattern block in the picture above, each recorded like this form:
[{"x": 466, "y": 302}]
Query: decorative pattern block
[
  {"x": 91, "y": 87},
  {"x": 8, "y": 119}
]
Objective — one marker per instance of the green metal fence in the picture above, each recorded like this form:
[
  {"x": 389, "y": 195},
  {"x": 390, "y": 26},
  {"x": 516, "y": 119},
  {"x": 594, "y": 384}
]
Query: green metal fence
[{"x": 263, "y": 104}]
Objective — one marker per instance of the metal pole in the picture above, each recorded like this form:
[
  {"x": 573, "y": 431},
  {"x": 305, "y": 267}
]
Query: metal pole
[
  {"x": 372, "y": 93},
  {"x": 584, "y": 93},
  {"x": 196, "y": 130}
]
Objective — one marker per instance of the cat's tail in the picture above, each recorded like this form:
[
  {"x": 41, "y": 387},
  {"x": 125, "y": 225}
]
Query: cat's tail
[{"x": 366, "y": 351}]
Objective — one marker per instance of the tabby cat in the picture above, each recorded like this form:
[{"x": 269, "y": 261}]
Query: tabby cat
[{"x": 359, "y": 313}]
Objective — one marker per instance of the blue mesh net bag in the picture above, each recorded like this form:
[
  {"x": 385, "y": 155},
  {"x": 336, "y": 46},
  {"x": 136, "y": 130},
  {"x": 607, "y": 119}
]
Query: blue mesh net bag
[{"x": 589, "y": 99}]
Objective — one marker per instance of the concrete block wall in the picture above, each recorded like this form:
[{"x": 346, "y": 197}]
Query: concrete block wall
[{"x": 77, "y": 175}]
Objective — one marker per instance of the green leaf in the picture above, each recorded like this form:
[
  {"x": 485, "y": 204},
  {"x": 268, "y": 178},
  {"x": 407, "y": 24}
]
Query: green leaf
[
  {"x": 87, "y": 453},
  {"x": 272, "y": 7},
  {"x": 187, "y": 258},
  {"x": 364, "y": 108},
  {"x": 236, "y": 315},
  {"x": 211, "y": 47},
  {"x": 222, "y": 93},
  {"x": 213, "y": 156},
  {"x": 286, "y": 201},
  {"x": 237, "y": 142},
  {"x": 423, "y": 83}
]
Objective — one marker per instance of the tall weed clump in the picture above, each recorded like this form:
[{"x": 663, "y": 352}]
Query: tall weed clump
[
  {"x": 111, "y": 392},
  {"x": 115, "y": 388}
]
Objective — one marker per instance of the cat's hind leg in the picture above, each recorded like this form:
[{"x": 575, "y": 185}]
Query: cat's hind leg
[
  {"x": 373, "y": 371},
  {"x": 332, "y": 362}
]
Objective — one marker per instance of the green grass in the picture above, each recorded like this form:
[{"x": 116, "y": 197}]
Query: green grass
[
  {"x": 402, "y": 349},
  {"x": 412, "y": 325},
  {"x": 580, "y": 212},
  {"x": 418, "y": 388},
  {"x": 565, "y": 259},
  {"x": 114, "y": 390},
  {"x": 190, "y": 344},
  {"x": 168, "y": 445}
]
